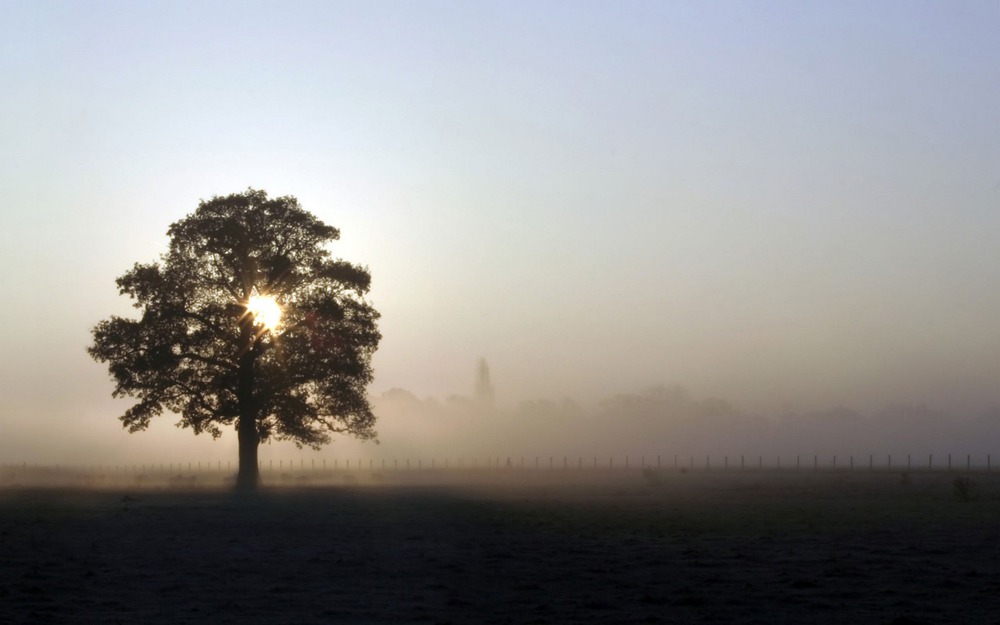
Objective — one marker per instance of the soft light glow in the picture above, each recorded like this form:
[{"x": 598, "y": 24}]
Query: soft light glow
[{"x": 265, "y": 310}]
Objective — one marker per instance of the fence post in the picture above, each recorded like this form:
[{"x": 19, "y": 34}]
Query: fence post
[
  {"x": 871, "y": 462},
  {"x": 949, "y": 463},
  {"x": 742, "y": 463},
  {"x": 798, "y": 462},
  {"x": 890, "y": 462},
  {"x": 725, "y": 463},
  {"x": 987, "y": 463},
  {"x": 907, "y": 462},
  {"x": 930, "y": 461},
  {"x": 657, "y": 461},
  {"x": 968, "y": 462},
  {"x": 852, "y": 462},
  {"x": 815, "y": 463}
]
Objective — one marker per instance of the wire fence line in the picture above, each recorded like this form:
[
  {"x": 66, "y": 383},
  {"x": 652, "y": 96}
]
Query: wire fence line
[{"x": 678, "y": 462}]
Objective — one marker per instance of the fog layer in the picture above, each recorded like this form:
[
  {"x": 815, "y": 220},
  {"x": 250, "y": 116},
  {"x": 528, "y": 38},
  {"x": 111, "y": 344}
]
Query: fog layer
[{"x": 664, "y": 422}]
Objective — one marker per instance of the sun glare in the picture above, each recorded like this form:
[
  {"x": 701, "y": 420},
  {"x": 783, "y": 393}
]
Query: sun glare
[{"x": 265, "y": 310}]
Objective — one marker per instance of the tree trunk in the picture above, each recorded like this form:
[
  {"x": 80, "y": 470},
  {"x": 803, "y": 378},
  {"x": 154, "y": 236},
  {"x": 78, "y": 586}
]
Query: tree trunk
[{"x": 248, "y": 478}]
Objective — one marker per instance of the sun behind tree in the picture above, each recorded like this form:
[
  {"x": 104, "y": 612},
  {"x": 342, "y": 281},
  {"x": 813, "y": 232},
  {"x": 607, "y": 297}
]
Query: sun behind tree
[
  {"x": 265, "y": 311},
  {"x": 247, "y": 321}
]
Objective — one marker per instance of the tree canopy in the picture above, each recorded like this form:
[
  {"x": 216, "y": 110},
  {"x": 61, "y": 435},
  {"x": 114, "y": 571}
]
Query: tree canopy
[{"x": 202, "y": 349}]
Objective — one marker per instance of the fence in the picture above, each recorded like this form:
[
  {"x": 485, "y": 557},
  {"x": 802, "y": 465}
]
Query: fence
[{"x": 870, "y": 462}]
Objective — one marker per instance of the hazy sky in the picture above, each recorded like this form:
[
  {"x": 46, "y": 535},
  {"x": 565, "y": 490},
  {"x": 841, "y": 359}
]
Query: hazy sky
[{"x": 787, "y": 204}]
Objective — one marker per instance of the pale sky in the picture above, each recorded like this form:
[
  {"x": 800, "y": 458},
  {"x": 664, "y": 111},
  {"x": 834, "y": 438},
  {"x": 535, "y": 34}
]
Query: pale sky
[{"x": 785, "y": 204}]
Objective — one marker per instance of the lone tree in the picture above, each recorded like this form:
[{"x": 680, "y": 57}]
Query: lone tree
[{"x": 246, "y": 320}]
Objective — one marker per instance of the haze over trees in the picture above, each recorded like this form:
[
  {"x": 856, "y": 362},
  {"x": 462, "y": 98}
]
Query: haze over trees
[
  {"x": 246, "y": 321},
  {"x": 668, "y": 421}
]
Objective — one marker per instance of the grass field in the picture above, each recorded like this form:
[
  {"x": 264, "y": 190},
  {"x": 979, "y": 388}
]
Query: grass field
[{"x": 511, "y": 547}]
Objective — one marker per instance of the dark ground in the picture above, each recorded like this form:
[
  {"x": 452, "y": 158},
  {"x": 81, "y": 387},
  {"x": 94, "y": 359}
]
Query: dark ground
[{"x": 659, "y": 548}]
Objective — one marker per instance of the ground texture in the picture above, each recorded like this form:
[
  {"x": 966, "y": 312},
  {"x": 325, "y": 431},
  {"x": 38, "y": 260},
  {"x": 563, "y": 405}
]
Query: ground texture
[{"x": 522, "y": 548}]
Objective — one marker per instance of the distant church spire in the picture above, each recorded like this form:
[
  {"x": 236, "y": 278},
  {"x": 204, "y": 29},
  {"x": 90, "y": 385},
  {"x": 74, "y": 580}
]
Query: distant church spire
[{"x": 483, "y": 392}]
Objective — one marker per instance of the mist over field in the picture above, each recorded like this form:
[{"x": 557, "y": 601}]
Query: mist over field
[
  {"x": 659, "y": 423},
  {"x": 670, "y": 421}
]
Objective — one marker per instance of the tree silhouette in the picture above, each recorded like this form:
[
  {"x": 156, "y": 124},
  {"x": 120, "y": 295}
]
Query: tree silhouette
[{"x": 208, "y": 346}]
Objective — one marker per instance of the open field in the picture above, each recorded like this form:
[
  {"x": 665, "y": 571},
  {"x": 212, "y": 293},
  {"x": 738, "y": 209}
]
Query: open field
[{"x": 510, "y": 547}]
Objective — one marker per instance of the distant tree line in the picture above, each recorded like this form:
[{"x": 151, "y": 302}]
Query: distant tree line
[{"x": 669, "y": 419}]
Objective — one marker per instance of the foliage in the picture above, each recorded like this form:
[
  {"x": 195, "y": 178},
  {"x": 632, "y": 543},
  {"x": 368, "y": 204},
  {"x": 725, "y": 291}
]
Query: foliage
[{"x": 196, "y": 351}]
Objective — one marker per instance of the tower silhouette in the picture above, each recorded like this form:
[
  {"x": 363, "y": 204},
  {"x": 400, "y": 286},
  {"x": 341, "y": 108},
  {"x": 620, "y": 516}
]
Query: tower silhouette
[{"x": 483, "y": 392}]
